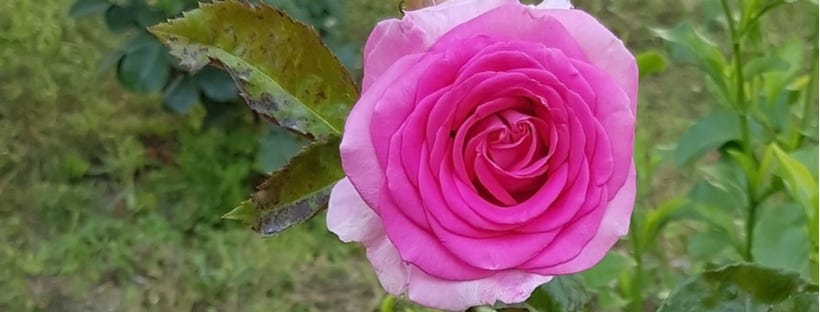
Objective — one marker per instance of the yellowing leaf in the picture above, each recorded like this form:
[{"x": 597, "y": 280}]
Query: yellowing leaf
[
  {"x": 282, "y": 67},
  {"x": 295, "y": 192}
]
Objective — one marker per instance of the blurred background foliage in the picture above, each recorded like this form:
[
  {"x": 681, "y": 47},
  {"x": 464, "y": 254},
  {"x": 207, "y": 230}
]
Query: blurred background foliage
[
  {"x": 112, "y": 190},
  {"x": 115, "y": 166}
]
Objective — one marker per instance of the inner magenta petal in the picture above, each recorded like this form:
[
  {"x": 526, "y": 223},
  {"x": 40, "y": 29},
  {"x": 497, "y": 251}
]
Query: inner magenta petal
[
  {"x": 574, "y": 236},
  {"x": 518, "y": 214},
  {"x": 419, "y": 246},
  {"x": 495, "y": 190},
  {"x": 495, "y": 59},
  {"x": 507, "y": 155},
  {"x": 463, "y": 153}
]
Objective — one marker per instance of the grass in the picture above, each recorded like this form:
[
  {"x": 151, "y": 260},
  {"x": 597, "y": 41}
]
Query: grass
[{"x": 111, "y": 204}]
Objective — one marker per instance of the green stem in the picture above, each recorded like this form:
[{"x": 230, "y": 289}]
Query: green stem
[
  {"x": 740, "y": 94},
  {"x": 636, "y": 294},
  {"x": 750, "y": 230},
  {"x": 765, "y": 195},
  {"x": 759, "y": 14},
  {"x": 389, "y": 304},
  {"x": 746, "y": 142},
  {"x": 808, "y": 101},
  {"x": 637, "y": 286}
]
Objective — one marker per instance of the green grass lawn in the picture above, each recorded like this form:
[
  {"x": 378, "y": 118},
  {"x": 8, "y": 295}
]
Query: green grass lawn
[{"x": 109, "y": 203}]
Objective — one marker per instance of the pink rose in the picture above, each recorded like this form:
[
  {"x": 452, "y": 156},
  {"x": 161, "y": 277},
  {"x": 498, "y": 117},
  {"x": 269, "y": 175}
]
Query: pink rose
[{"x": 491, "y": 149}]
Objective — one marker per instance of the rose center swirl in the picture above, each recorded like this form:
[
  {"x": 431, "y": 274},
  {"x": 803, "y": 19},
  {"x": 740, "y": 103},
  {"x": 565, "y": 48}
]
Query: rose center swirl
[{"x": 505, "y": 151}]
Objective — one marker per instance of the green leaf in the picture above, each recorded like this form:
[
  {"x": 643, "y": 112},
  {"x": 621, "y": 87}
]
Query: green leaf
[
  {"x": 657, "y": 218},
  {"x": 808, "y": 157},
  {"x": 563, "y": 293},
  {"x": 650, "y": 62},
  {"x": 281, "y": 66},
  {"x": 781, "y": 239},
  {"x": 687, "y": 45},
  {"x": 765, "y": 64},
  {"x": 775, "y": 114},
  {"x": 604, "y": 274},
  {"x": 712, "y": 10},
  {"x": 295, "y": 192},
  {"x": 800, "y": 183},
  {"x": 83, "y": 8},
  {"x": 739, "y": 287},
  {"x": 145, "y": 69},
  {"x": 119, "y": 19},
  {"x": 502, "y": 307},
  {"x": 776, "y": 82},
  {"x": 611, "y": 301},
  {"x": 139, "y": 41},
  {"x": 216, "y": 84},
  {"x": 718, "y": 207},
  {"x": 181, "y": 95},
  {"x": 147, "y": 16},
  {"x": 749, "y": 25},
  {"x": 799, "y": 302},
  {"x": 729, "y": 177},
  {"x": 708, "y": 133},
  {"x": 708, "y": 245}
]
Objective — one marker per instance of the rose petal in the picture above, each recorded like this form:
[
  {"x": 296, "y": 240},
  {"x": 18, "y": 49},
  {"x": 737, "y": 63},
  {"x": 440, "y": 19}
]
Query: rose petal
[
  {"x": 612, "y": 109},
  {"x": 427, "y": 223},
  {"x": 573, "y": 236},
  {"x": 614, "y": 225},
  {"x": 602, "y": 49},
  {"x": 419, "y": 246},
  {"x": 391, "y": 270},
  {"x": 566, "y": 207},
  {"x": 555, "y": 4},
  {"x": 393, "y": 39},
  {"x": 511, "y": 286},
  {"x": 398, "y": 277},
  {"x": 500, "y": 252},
  {"x": 531, "y": 25},
  {"x": 349, "y": 217},
  {"x": 498, "y": 191},
  {"x": 359, "y": 158}
]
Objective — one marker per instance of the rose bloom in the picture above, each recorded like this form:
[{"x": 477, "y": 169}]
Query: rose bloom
[{"x": 491, "y": 149}]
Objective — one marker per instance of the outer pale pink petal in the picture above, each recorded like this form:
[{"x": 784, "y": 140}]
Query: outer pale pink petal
[
  {"x": 390, "y": 40},
  {"x": 349, "y": 217},
  {"x": 509, "y": 286},
  {"x": 439, "y": 19},
  {"x": 614, "y": 225},
  {"x": 416, "y": 32},
  {"x": 392, "y": 271},
  {"x": 602, "y": 48},
  {"x": 555, "y": 4}
]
